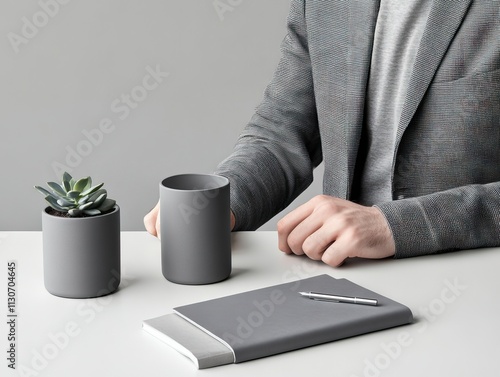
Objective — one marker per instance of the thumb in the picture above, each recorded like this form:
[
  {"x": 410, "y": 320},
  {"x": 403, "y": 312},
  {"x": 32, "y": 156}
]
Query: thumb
[{"x": 158, "y": 226}]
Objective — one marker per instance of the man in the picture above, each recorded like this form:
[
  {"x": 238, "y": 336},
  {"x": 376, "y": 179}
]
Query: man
[{"x": 400, "y": 99}]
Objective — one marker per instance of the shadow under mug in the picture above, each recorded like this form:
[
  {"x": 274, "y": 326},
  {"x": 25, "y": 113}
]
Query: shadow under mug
[{"x": 195, "y": 228}]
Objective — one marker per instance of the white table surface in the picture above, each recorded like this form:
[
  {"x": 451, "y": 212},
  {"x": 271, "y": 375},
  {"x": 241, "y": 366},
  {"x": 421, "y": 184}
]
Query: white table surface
[{"x": 455, "y": 299}]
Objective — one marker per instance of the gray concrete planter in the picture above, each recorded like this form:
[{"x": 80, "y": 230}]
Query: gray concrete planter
[{"x": 81, "y": 256}]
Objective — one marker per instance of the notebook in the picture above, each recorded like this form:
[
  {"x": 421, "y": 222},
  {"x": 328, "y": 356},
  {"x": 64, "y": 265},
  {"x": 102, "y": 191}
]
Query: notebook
[{"x": 272, "y": 320}]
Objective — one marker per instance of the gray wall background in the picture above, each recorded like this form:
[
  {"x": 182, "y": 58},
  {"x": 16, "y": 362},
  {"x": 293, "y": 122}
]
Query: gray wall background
[{"x": 77, "y": 92}]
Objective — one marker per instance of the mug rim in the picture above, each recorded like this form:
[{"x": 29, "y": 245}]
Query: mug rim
[{"x": 219, "y": 180}]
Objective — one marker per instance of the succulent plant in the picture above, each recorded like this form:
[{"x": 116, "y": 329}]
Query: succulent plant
[{"x": 77, "y": 198}]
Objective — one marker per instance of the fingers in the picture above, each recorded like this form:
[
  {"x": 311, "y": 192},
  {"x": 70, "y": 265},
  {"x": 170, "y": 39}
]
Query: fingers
[
  {"x": 288, "y": 224},
  {"x": 152, "y": 221},
  {"x": 310, "y": 229},
  {"x": 332, "y": 230},
  {"x": 306, "y": 238},
  {"x": 315, "y": 245},
  {"x": 157, "y": 223},
  {"x": 336, "y": 254}
]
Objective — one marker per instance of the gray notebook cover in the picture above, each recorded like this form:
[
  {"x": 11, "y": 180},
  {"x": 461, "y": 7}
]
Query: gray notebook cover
[{"x": 277, "y": 319}]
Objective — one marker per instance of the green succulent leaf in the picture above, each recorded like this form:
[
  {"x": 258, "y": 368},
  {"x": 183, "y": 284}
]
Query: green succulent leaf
[
  {"x": 65, "y": 203},
  {"x": 53, "y": 203},
  {"x": 66, "y": 181},
  {"x": 107, "y": 205},
  {"x": 86, "y": 205},
  {"x": 89, "y": 184},
  {"x": 100, "y": 200},
  {"x": 74, "y": 212},
  {"x": 95, "y": 195},
  {"x": 43, "y": 191},
  {"x": 57, "y": 188},
  {"x": 92, "y": 212},
  {"x": 92, "y": 189},
  {"x": 66, "y": 185},
  {"x": 66, "y": 177},
  {"x": 81, "y": 184},
  {"x": 83, "y": 199},
  {"x": 73, "y": 194}
]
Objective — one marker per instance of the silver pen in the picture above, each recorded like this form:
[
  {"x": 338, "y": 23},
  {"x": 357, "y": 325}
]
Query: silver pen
[{"x": 338, "y": 298}]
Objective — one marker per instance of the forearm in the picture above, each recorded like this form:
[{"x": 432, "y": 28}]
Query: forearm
[
  {"x": 461, "y": 218},
  {"x": 264, "y": 177},
  {"x": 273, "y": 159}
]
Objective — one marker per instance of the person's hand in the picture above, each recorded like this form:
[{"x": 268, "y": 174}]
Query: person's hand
[
  {"x": 332, "y": 229},
  {"x": 152, "y": 221}
]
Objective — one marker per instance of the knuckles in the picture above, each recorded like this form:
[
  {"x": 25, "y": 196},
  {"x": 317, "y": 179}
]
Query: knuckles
[
  {"x": 282, "y": 226},
  {"x": 295, "y": 244}
]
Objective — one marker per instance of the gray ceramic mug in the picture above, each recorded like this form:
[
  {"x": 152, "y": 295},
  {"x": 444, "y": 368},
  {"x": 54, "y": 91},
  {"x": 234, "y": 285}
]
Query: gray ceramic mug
[{"x": 195, "y": 228}]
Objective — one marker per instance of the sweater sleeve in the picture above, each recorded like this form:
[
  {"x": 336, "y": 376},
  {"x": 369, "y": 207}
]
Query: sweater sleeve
[
  {"x": 461, "y": 218},
  {"x": 273, "y": 159}
]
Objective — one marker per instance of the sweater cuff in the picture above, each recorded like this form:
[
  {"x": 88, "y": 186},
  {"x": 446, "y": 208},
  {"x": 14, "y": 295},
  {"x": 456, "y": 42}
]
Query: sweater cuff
[
  {"x": 239, "y": 203},
  {"x": 411, "y": 228}
]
